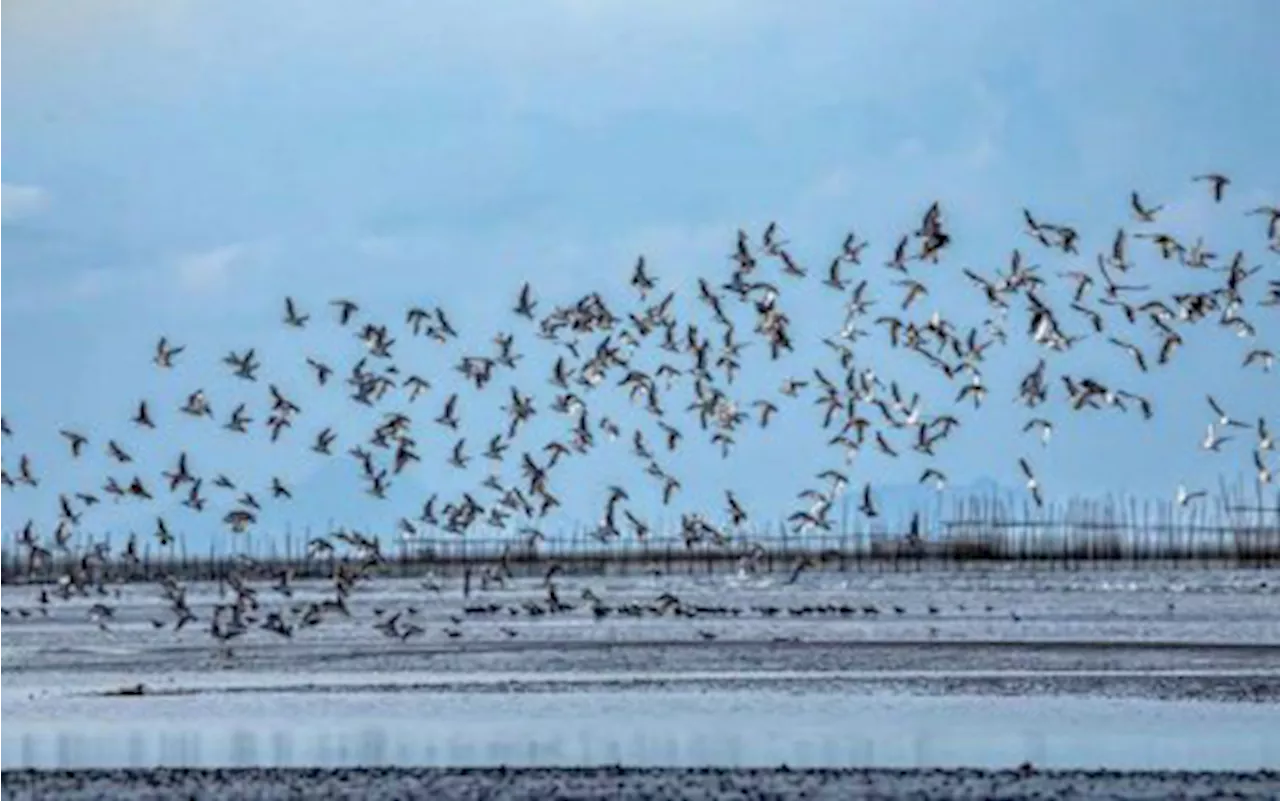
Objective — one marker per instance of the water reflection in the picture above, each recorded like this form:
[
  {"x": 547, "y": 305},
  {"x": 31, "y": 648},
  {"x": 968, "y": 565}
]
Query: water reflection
[
  {"x": 693, "y": 729},
  {"x": 412, "y": 746}
]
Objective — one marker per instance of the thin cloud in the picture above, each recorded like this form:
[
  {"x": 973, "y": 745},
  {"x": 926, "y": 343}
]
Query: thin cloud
[
  {"x": 20, "y": 201},
  {"x": 209, "y": 270},
  {"x": 93, "y": 283}
]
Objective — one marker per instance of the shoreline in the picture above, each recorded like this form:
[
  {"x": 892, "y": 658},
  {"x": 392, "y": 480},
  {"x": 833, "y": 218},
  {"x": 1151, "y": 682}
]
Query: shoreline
[{"x": 628, "y": 783}]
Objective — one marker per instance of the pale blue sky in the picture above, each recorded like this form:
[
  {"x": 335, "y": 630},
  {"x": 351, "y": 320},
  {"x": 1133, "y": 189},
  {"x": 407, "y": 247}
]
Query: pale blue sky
[{"x": 178, "y": 167}]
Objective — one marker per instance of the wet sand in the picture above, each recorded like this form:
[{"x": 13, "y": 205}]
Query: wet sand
[
  {"x": 625, "y": 784},
  {"x": 1142, "y": 673}
]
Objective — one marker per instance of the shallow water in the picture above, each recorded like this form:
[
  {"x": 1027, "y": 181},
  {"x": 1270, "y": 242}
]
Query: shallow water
[
  {"x": 675, "y": 728},
  {"x": 567, "y": 690}
]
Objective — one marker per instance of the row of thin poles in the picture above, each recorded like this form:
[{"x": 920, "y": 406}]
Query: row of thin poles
[{"x": 1237, "y": 528}]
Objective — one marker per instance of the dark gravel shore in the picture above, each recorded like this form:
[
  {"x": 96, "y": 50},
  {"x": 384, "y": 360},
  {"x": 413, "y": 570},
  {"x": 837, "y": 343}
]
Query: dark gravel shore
[{"x": 623, "y": 783}]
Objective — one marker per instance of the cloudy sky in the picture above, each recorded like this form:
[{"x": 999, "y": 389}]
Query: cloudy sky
[{"x": 178, "y": 168}]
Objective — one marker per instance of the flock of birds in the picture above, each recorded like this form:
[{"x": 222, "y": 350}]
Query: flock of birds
[{"x": 649, "y": 353}]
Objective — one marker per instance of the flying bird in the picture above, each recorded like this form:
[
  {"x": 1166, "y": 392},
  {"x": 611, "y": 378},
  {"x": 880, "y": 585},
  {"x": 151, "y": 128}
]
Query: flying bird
[{"x": 1217, "y": 182}]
